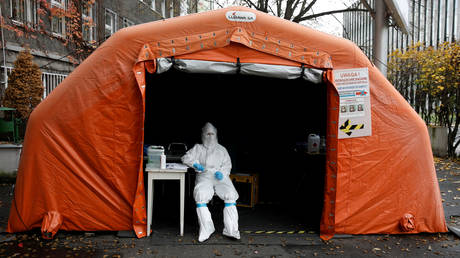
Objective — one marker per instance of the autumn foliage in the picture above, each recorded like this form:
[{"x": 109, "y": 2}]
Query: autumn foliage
[
  {"x": 428, "y": 77},
  {"x": 25, "y": 88},
  {"x": 72, "y": 36}
]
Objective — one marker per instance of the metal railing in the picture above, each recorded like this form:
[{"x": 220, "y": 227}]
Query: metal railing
[
  {"x": 430, "y": 22},
  {"x": 50, "y": 80}
]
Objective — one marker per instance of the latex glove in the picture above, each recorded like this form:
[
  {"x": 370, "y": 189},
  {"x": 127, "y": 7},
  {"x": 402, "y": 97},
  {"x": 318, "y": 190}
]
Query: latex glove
[
  {"x": 198, "y": 167},
  {"x": 219, "y": 176}
]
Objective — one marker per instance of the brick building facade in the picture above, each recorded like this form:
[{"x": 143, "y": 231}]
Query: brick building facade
[{"x": 61, "y": 33}]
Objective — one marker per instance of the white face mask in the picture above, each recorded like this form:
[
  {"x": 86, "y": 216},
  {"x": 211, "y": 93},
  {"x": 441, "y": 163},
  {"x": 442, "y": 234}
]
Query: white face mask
[{"x": 209, "y": 135}]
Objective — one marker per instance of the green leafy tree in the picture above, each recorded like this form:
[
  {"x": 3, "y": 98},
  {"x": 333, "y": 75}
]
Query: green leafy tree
[{"x": 25, "y": 87}]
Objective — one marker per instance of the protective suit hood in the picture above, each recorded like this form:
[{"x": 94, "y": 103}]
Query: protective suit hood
[{"x": 209, "y": 136}]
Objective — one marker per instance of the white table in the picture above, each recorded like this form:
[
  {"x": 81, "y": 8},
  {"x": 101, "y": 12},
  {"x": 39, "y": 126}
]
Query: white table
[{"x": 165, "y": 174}]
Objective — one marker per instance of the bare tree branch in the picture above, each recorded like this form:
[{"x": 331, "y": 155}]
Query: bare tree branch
[
  {"x": 220, "y": 6},
  {"x": 309, "y": 17},
  {"x": 304, "y": 10},
  {"x": 278, "y": 8},
  {"x": 288, "y": 9},
  {"x": 343, "y": 27},
  {"x": 296, "y": 4},
  {"x": 251, "y": 4},
  {"x": 310, "y": 6},
  {"x": 269, "y": 6},
  {"x": 366, "y": 4}
]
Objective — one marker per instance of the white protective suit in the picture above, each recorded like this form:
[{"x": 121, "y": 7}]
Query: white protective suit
[{"x": 213, "y": 157}]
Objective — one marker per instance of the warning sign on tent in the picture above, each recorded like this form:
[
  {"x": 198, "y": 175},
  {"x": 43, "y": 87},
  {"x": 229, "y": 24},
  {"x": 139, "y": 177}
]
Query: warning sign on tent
[
  {"x": 355, "y": 106},
  {"x": 348, "y": 127}
]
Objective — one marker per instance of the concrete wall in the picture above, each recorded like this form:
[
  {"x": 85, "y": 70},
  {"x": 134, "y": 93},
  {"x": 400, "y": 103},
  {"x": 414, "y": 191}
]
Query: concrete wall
[
  {"x": 438, "y": 137},
  {"x": 9, "y": 158}
]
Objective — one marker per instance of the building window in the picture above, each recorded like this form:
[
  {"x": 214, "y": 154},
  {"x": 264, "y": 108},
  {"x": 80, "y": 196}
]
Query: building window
[
  {"x": 24, "y": 11},
  {"x": 186, "y": 7},
  {"x": 58, "y": 18},
  {"x": 89, "y": 23},
  {"x": 60, "y": 3},
  {"x": 163, "y": 9},
  {"x": 110, "y": 22},
  {"x": 127, "y": 22},
  {"x": 151, "y": 3}
]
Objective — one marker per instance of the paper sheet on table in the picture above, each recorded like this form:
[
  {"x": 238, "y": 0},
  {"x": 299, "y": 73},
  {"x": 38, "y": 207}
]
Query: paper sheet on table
[{"x": 175, "y": 166}]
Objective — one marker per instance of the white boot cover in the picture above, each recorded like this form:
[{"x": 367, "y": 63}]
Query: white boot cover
[
  {"x": 205, "y": 221},
  {"x": 231, "y": 221}
]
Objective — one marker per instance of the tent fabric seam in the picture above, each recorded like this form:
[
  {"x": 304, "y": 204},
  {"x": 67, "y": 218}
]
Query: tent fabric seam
[{"x": 158, "y": 50}]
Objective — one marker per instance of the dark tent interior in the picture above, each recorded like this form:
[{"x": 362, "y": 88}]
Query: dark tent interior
[{"x": 263, "y": 122}]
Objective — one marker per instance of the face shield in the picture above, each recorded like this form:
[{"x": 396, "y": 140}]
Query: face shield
[{"x": 209, "y": 135}]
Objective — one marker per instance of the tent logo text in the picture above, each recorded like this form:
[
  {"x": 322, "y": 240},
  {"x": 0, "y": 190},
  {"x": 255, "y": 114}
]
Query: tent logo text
[{"x": 239, "y": 16}]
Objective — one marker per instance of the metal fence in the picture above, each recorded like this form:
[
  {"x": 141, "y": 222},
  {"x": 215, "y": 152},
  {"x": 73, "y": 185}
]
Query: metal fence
[
  {"x": 50, "y": 80},
  {"x": 430, "y": 21},
  {"x": 359, "y": 27}
]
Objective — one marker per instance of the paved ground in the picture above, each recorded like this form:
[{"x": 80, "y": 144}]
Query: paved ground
[{"x": 302, "y": 241}]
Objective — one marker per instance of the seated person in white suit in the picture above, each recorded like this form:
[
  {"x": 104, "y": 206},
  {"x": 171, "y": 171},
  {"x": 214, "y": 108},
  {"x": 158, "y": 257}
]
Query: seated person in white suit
[{"x": 212, "y": 164}]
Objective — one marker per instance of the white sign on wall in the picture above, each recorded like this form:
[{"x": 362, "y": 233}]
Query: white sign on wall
[{"x": 355, "y": 105}]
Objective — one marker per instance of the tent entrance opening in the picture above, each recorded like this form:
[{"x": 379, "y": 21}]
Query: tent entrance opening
[{"x": 263, "y": 122}]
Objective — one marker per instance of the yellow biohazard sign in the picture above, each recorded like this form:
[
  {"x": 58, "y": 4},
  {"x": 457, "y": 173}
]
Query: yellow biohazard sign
[{"x": 347, "y": 127}]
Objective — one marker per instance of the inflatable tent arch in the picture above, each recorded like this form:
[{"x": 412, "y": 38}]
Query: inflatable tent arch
[{"x": 81, "y": 166}]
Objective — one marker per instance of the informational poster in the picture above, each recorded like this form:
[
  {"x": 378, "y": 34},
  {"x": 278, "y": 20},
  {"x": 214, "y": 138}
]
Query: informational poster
[{"x": 355, "y": 104}]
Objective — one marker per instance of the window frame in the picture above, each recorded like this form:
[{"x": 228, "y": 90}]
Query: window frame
[
  {"x": 163, "y": 8},
  {"x": 29, "y": 14},
  {"x": 152, "y": 4},
  {"x": 113, "y": 27},
  {"x": 127, "y": 23},
  {"x": 92, "y": 28},
  {"x": 61, "y": 32},
  {"x": 58, "y": 3}
]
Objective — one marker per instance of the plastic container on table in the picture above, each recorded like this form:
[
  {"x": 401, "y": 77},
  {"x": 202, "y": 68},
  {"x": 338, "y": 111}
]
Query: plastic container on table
[{"x": 154, "y": 154}]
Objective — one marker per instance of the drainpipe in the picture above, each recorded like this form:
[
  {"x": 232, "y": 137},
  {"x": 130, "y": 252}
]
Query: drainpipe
[
  {"x": 381, "y": 37},
  {"x": 5, "y": 76}
]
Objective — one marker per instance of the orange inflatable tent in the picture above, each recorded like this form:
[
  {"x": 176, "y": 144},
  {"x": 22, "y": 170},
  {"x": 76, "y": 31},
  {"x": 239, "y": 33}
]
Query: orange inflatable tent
[{"x": 81, "y": 166}]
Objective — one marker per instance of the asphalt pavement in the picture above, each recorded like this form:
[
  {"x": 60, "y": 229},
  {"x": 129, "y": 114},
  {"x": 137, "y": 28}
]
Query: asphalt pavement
[{"x": 261, "y": 235}]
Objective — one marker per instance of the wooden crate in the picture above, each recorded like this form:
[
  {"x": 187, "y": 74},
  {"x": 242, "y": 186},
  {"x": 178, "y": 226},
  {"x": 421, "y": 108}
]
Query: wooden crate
[{"x": 253, "y": 184}]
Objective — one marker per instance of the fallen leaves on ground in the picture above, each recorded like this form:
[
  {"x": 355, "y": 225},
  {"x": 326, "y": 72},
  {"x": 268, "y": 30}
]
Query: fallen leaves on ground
[
  {"x": 237, "y": 252},
  {"x": 217, "y": 252}
]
